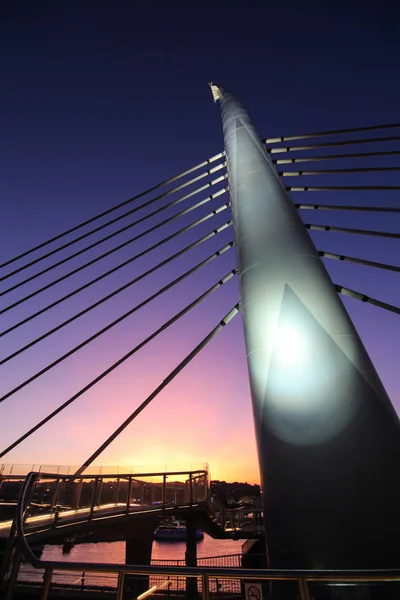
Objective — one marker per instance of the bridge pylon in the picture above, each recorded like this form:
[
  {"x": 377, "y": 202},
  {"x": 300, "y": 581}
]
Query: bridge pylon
[{"x": 327, "y": 434}]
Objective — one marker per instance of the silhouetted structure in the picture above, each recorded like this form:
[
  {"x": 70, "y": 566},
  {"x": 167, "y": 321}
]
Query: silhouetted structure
[{"x": 327, "y": 435}]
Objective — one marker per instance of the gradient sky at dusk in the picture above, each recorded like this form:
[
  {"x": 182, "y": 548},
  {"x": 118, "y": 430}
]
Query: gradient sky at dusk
[{"x": 101, "y": 100}]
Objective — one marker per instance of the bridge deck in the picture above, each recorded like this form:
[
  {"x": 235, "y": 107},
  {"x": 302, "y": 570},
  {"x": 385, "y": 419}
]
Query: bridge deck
[
  {"x": 109, "y": 517},
  {"x": 69, "y": 521}
]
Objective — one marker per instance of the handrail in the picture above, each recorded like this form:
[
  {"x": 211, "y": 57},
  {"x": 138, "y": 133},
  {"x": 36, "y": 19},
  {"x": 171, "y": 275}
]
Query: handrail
[
  {"x": 235, "y": 573},
  {"x": 230, "y": 514},
  {"x": 107, "y": 475},
  {"x": 197, "y": 480},
  {"x": 171, "y": 487}
]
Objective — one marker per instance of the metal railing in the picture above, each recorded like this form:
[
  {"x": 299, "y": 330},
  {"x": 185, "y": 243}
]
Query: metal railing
[
  {"x": 302, "y": 577},
  {"x": 56, "y": 499},
  {"x": 21, "y": 470},
  {"x": 232, "y": 519},
  {"x": 82, "y": 581}
]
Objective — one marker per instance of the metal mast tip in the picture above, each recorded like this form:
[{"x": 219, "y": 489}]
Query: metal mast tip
[{"x": 215, "y": 91}]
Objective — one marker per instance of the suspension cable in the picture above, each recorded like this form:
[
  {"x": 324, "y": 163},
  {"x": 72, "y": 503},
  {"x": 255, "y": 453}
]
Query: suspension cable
[
  {"x": 100, "y": 332},
  {"x": 163, "y": 327},
  {"x": 330, "y": 144},
  {"x": 122, "y": 288},
  {"x": 350, "y": 230},
  {"x": 341, "y": 188},
  {"x": 119, "y": 218},
  {"x": 360, "y": 261},
  {"x": 110, "y": 210},
  {"x": 231, "y": 314},
  {"x": 287, "y": 161},
  {"x": 121, "y": 265},
  {"x": 386, "y": 209},
  {"x": 303, "y": 136},
  {"x": 115, "y": 249},
  {"x": 108, "y": 237},
  {"x": 364, "y": 298},
  {"x": 337, "y": 171}
]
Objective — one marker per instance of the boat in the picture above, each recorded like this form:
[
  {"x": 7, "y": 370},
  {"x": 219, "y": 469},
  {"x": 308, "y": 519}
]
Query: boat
[{"x": 175, "y": 530}]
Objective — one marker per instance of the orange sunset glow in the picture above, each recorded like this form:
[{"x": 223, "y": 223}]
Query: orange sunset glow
[{"x": 203, "y": 417}]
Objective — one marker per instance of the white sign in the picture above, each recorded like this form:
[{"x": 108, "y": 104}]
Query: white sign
[{"x": 253, "y": 591}]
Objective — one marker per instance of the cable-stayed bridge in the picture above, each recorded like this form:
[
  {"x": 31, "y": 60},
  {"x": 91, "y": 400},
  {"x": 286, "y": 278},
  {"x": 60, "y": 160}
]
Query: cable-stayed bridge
[{"x": 316, "y": 397}]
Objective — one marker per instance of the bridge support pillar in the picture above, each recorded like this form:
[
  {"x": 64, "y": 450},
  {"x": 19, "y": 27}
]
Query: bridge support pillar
[
  {"x": 191, "y": 556},
  {"x": 139, "y": 542},
  {"x": 327, "y": 435}
]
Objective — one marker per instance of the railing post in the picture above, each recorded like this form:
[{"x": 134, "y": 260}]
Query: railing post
[
  {"x": 46, "y": 583},
  {"x": 61, "y": 490},
  {"x": 94, "y": 498},
  {"x": 100, "y": 491},
  {"x": 55, "y": 495},
  {"x": 142, "y": 494},
  {"x": 190, "y": 489},
  {"x": 55, "y": 500},
  {"x": 205, "y": 592},
  {"x": 5, "y": 559},
  {"x": 77, "y": 493},
  {"x": 164, "y": 490},
  {"x": 120, "y": 586},
  {"x": 117, "y": 492},
  {"x": 14, "y": 573},
  {"x": 128, "y": 498},
  {"x": 303, "y": 587}
]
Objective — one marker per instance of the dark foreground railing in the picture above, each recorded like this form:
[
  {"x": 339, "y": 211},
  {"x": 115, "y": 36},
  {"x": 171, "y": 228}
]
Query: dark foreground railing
[
  {"x": 202, "y": 574},
  {"x": 162, "y": 585}
]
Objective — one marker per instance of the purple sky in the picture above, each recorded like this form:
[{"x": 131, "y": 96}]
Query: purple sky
[{"x": 101, "y": 100}]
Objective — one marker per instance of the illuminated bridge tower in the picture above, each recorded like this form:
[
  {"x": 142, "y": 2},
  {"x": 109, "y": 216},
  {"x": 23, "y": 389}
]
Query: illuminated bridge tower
[{"x": 328, "y": 437}]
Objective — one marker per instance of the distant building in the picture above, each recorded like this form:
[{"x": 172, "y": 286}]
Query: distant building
[{"x": 235, "y": 493}]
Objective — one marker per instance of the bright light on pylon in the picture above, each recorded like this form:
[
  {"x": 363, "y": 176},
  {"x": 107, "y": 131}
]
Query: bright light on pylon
[{"x": 289, "y": 346}]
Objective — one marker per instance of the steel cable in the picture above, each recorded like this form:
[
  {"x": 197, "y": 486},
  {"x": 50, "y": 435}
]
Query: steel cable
[
  {"x": 232, "y": 313},
  {"x": 119, "y": 218},
  {"x": 360, "y": 261},
  {"x": 289, "y": 161},
  {"x": 331, "y": 144},
  {"x": 364, "y": 298},
  {"x": 115, "y": 233},
  {"x": 163, "y": 327},
  {"x": 117, "y": 267},
  {"x": 163, "y": 263},
  {"x": 112, "y": 209},
  {"x": 303, "y": 136},
  {"x": 350, "y": 230},
  {"x": 114, "y": 323},
  {"x": 337, "y": 171},
  {"x": 113, "y": 250},
  {"x": 341, "y": 188},
  {"x": 385, "y": 209}
]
